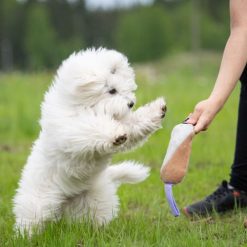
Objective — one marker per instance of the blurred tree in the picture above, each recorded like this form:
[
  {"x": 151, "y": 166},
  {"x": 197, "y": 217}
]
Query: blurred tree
[
  {"x": 218, "y": 10},
  {"x": 214, "y": 33},
  {"x": 196, "y": 25},
  {"x": 41, "y": 40},
  {"x": 46, "y": 46},
  {"x": 66, "y": 16},
  {"x": 68, "y": 19},
  {"x": 7, "y": 31},
  {"x": 144, "y": 33},
  {"x": 181, "y": 25},
  {"x": 101, "y": 26},
  {"x": 202, "y": 24}
]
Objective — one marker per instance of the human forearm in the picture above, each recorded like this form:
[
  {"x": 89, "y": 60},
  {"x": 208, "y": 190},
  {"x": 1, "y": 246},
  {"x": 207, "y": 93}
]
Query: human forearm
[
  {"x": 235, "y": 54},
  {"x": 232, "y": 64}
]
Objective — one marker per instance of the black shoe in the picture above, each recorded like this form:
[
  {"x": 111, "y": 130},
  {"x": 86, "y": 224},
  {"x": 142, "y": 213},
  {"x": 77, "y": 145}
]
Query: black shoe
[{"x": 225, "y": 198}]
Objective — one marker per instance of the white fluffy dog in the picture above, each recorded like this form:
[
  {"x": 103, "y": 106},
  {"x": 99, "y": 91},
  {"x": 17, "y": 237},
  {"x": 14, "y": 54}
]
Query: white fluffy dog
[{"x": 86, "y": 118}]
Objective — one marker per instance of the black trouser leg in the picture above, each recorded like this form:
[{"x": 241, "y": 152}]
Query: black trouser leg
[{"x": 238, "y": 176}]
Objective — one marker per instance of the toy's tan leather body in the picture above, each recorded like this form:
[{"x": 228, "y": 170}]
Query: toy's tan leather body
[{"x": 176, "y": 161}]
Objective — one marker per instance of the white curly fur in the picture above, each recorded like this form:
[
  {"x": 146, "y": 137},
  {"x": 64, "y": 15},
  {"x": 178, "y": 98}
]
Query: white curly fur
[{"x": 86, "y": 118}]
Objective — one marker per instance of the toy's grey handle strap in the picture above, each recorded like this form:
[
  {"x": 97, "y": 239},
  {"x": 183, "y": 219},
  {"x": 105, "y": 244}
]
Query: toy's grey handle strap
[{"x": 169, "y": 196}]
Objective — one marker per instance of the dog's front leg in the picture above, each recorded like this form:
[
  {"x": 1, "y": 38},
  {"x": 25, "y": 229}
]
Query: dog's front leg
[{"x": 145, "y": 121}]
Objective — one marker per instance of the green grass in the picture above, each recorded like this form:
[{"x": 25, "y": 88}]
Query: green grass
[{"x": 144, "y": 218}]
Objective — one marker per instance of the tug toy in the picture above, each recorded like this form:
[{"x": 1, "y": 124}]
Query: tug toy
[{"x": 176, "y": 161}]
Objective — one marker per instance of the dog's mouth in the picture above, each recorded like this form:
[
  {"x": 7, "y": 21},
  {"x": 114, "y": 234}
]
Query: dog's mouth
[
  {"x": 119, "y": 116},
  {"x": 116, "y": 116}
]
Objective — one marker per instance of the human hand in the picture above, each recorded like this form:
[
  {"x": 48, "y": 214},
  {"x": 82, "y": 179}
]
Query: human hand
[{"x": 203, "y": 114}]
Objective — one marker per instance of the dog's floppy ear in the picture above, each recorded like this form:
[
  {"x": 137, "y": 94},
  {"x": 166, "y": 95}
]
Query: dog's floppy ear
[{"x": 88, "y": 83}]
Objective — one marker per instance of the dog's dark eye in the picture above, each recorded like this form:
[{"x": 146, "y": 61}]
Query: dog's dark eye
[{"x": 113, "y": 91}]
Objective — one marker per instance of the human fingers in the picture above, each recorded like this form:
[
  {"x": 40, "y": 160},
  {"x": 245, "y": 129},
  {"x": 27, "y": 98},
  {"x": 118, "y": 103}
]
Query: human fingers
[
  {"x": 201, "y": 125},
  {"x": 187, "y": 119}
]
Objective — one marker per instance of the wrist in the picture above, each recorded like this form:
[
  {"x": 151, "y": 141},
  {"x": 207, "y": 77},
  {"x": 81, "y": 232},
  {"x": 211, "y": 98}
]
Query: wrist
[{"x": 217, "y": 101}]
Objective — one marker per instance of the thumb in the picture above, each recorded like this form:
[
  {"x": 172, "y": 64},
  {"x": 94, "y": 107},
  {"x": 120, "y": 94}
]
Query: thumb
[{"x": 201, "y": 125}]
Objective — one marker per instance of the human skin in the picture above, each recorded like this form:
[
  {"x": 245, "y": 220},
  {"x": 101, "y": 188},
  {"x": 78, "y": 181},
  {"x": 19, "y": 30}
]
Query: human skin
[{"x": 232, "y": 65}]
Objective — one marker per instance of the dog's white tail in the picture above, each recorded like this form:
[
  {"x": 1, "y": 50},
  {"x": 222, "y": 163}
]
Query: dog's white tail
[{"x": 128, "y": 172}]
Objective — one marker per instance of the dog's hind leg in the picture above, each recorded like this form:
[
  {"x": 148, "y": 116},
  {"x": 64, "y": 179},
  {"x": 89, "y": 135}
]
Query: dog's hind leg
[
  {"x": 98, "y": 205},
  {"x": 32, "y": 211}
]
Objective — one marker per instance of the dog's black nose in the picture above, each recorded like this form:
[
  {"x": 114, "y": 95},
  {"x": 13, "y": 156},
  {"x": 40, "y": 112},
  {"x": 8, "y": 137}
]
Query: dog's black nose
[{"x": 131, "y": 104}]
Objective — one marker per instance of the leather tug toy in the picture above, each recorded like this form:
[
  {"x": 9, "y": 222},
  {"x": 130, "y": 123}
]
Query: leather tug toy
[{"x": 176, "y": 161}]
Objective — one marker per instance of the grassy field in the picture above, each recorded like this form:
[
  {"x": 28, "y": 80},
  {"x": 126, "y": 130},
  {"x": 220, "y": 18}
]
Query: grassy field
[{"x": 144, "y": 218}]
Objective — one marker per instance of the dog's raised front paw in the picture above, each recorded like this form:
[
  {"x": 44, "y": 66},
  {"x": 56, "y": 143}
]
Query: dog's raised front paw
[
  {"x": 163, "y": 111},
  {"x": 157, "y": 110},
  {"x": 161, "y": 107},
  {"x": 120, "y": 140}
]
